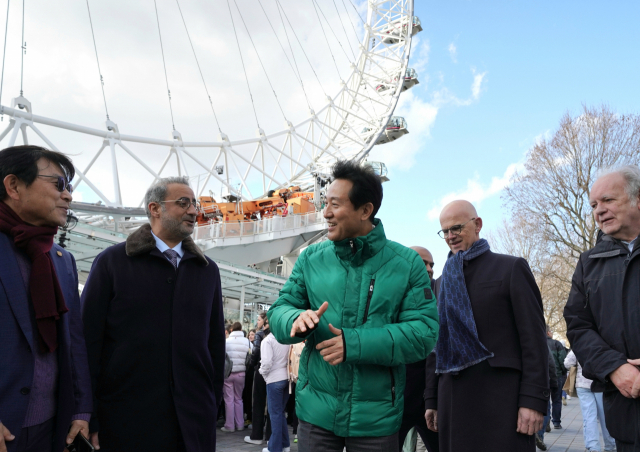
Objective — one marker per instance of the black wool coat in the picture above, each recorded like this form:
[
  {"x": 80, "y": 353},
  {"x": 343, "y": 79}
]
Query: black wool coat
[
  {"x": 156, "y": 346},
  {"x": 507, "y": 308},
  {"x": 603, "y": 326}
]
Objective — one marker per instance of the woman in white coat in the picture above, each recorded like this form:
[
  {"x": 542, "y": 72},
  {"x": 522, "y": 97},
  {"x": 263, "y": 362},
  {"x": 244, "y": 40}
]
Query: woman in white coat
[{"x": 237, "y": 347}]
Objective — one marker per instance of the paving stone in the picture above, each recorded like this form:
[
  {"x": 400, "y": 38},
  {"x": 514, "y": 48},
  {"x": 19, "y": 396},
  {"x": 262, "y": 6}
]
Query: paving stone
[{"x": 569, "y": 439}]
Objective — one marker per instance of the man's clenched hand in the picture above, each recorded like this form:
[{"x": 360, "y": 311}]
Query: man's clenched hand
[
  {"x": 624, "y": 378},
  {"x": 529, "y": 421},
  {"x": 308, "y": 320},
  {"x": 431, "y": 417}
]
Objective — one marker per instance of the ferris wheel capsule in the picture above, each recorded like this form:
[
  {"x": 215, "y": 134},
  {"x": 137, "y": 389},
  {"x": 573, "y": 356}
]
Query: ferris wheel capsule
[
  {"x": 394, "y": 30},
  {"x": 395, "y": 128},
  {"x": 410, "y": 79}
]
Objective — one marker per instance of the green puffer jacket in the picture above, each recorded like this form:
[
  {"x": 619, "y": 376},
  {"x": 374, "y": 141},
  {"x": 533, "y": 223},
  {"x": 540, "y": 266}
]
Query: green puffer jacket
[{"x": 379, "y": 295}]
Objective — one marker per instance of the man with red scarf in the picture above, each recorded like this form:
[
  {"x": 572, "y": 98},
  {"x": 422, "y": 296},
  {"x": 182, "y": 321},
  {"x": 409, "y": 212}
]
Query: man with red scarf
[{"x": 45, "y": 388}]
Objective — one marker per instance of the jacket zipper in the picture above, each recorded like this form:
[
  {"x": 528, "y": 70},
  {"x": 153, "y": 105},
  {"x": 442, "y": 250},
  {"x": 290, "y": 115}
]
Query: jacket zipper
[
  {"x": 353, "y": 248},
  {"x": 369, "y": 295},
  {"x": 393, "y": 387},
  {"x": 586, "y": 302}
]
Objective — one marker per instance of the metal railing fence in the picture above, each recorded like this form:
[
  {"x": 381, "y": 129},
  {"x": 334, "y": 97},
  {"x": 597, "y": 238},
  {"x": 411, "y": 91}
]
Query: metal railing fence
[{"x": 256, "y": 227}]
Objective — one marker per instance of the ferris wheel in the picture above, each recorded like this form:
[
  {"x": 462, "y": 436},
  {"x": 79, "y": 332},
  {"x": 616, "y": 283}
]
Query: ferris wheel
[{"x": 345, "y": 125}]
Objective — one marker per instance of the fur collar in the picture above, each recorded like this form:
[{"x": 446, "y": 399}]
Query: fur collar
[{"x": 141, "y": 242}]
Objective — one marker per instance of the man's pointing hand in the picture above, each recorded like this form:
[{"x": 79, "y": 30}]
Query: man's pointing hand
[{"x": 308, "y": 320}]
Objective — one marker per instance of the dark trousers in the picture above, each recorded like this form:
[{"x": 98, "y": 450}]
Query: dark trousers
[
  {"x": 556, "y": 404},
  {"x": 625, "y": 447},
  {"x": 247, "y": 392},
  {"x": 292, "y": 418},
  {"x": 259, "y": 404},
  {"x": 38, "y": 438},
  {"x": 561, "y": 382},
  {"x": 312, "y": 438},
  {"x": 277, "y": 395},
  {"x": 429, "y": 438}
]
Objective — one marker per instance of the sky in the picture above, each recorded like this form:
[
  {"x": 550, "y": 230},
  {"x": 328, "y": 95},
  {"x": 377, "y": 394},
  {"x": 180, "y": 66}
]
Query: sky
[
  {"x": 498, "y": 76},
  {"x": 494, "y": 78}
]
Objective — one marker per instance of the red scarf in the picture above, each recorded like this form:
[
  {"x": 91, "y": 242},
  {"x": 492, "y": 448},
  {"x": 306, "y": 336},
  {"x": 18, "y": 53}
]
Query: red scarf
[{"x": 46, "y": 295}]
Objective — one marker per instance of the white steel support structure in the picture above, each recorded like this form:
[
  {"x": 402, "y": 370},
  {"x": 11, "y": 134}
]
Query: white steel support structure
[{"x": 346, "y": 127}]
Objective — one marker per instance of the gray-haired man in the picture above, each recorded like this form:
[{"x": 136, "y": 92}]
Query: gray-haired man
[
  {"x": 603, "y": 311},
  {"x": 154, "y": 328}
]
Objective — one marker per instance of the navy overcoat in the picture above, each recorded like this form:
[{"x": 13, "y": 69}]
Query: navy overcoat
[
  {"x": 17, "y": 342},
  {"x": 156, "y": 345}
]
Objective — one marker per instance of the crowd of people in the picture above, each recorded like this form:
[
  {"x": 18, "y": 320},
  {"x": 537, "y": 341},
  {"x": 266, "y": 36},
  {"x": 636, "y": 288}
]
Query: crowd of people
[{"x": 362, "y": 345}]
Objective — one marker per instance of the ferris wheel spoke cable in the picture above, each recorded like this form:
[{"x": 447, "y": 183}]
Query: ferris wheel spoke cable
[
  {"x": 23, "y": 47},
  {"x": 296, "y": 75},
  {"x": 95, "y": 48},
  {"x": 199, "y": 69},
  {"x": 4, "y": 54},
  {"x": 327, "y": 40},
  {"x": 164, "y": 64},
  {"x": 243, "y": 66},
  {"x": 281, "y": 12},
  {"x": 260, "y": 60},
  {"x": 343, "y": 29},
  {"x": 353, "y": 27},
  {"x": 358, "y": 13}
]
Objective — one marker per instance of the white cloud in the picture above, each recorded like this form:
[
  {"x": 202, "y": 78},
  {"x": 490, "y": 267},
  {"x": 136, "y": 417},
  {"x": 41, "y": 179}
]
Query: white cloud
[
  {"x": 444, "y": 96},
  {"x": 420, "y": 55},
  {"x": 420, "y": 116},
  {"x": 453, "y": 52},
  {"x": 476, "y": 86},
  {"x": 475, "y": 191}
]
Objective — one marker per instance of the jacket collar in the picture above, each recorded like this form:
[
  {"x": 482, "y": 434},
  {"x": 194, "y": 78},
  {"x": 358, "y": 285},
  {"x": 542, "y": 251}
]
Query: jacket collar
[
  {"x": 608, "y": 246},
  {"x": 365, "y": 246},
  {"x": 142, "y": 242}
]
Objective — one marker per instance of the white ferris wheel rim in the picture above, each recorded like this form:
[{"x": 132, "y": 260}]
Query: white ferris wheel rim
[{"x": 336, "y": 128}]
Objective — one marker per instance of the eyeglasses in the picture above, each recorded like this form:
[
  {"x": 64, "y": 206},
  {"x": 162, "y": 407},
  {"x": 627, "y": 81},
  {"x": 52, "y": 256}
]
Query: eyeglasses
[
  {"x": 185, "y": 203},
  {"x": 453, "y": 230},
  {"x": 61, "y": 183}
]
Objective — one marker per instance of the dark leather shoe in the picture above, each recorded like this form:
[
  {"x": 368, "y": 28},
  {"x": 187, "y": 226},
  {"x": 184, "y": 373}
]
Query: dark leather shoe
[
  {"x": 548, "y": 427},
  {"x": 557, "y": 426}
]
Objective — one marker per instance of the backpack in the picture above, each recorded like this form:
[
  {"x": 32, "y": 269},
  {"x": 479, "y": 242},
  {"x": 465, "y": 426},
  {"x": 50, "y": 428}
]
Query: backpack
[
  {"x": 228, "y": 365},
  {"x": 295, "y": 351}
]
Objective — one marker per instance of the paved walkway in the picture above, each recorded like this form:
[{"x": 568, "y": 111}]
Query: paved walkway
[{"x": 569, "y": 439}]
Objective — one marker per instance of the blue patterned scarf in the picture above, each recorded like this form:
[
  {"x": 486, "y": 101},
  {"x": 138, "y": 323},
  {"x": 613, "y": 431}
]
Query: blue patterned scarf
[{"x": 458, "y": 344}]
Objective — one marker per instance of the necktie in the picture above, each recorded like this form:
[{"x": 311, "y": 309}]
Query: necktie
[{"x": 172, "y": 256}]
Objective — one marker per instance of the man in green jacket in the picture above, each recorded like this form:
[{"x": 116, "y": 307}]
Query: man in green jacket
[{"x": 365, "y": 307}]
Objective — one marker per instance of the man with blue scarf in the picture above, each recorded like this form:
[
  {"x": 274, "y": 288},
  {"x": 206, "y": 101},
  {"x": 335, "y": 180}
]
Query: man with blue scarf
[{"x": 491, "y": 385}]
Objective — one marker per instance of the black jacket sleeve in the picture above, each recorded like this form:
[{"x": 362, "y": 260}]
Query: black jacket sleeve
[
  {"x": 95, "y": 301},
  {"x": 527, "y": 310},
  {"x": 597, "y": 358},
  {"x": 217, "y": 339},
  {"x": 431, "y": 383}
]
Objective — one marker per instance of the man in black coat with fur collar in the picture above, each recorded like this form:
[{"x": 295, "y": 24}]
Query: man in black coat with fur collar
[{"x": 154, "y": 328}]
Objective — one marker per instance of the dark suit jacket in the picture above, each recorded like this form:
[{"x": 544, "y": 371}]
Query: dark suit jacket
[
  {"x": 156, "y": 344},
  {"x": 507, "y": 308},
  {"x": 16, "y": 345}
]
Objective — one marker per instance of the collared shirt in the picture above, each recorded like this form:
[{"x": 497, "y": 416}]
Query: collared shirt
[
  {"x": 631, "y": 243},
  {"x": 164, "y": 247}
]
